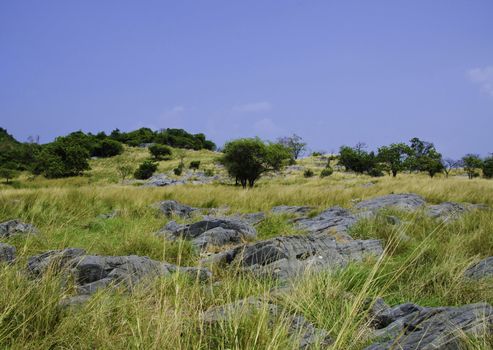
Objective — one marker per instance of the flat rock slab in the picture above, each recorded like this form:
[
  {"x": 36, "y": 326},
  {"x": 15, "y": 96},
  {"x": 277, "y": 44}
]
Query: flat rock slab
[
  {"x": 289, "y": 256},
  {"x": 171, "y": 207},
  {"x": 333, "y": 220},
  {"x": 482, "y": 269},
  {"x": 7, "y": 253},
  {"x": 292, "y": 210},
  {"x": 405, "y": 201},
  {"x": 449, "y": 211},
  {"x": 16, "y": 227},
  {"x": 92, "y": 272},
  {"x": 161, "y": 180},
  {"x": 299, "y": 328},
  {"x": 413, "y": 327}
]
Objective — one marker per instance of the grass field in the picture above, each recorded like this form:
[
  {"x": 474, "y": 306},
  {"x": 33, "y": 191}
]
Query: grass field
[{"x": 425, "y": 268}]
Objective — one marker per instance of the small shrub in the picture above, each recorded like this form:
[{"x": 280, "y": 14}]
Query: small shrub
[
  {"x": 160, "y": 152},
  {"x": 194, "y": 164},
  {"x": 209, "y": 172},
  {"x": 316, "y": 154},
  {"x": 488, "y": 168},
  {"x": 326, "y": 172},
  {"x": 178, "y": 171},
  {"x": 145, "y": 170},
  {"x": 374, "y": 172},
  {"x": 308, "y": 173},
  {"x": 108, "y": 148}
]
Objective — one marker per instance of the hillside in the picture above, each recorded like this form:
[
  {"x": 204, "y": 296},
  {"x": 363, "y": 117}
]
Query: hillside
[{"x": 423, "y": 261}]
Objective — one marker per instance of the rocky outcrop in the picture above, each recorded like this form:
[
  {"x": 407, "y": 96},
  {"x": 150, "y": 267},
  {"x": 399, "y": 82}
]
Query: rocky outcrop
[
  {"x": 292, "y": 210},
  {"x": 211, "y": 230},
  {"x": 333, "y": 220},
  {"x": 289, "y": 256},
  {"x": 299, "y": 328},
  {"x": 16, "y": 227},
  {"x": 405, "y": 201},
  {"x": 7, "y": 253},
  {"x": 92, "y": 272},
  {"x": 482, "y": 269},
  {"x": 448, "y": 211},
  {"x": 171, "y": 207},
  {"x": 413, "y": 327},
  {"x": 160, "y": 180}
]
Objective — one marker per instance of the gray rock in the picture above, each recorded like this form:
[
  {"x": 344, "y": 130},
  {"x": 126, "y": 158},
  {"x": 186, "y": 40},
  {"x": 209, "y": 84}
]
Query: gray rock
[
  {"x": 412, "y": 327},
  {"x": 292, "y": 210},
  {"x": 160, "y": 180},
  {"x": 171, "y": 207},
  {"x": 217, "y": 236},
  {"x": 7, "y": 253},
  {"x": 333, "y": 220},
  {"x": 16, "y": 227},
  {"x": 92, "y": 272},
  {"x": 449, "y": 211},
  {"x": 482, "y": 269},
  {"x": 405, "y": 201},
  {"x": 110, "y": 215},
  {"x": 250, "y": 218},
  {"x": 298, "y": 327},
  {"x": 194, "y": 230},
  {"x": 289, "y": 256}
]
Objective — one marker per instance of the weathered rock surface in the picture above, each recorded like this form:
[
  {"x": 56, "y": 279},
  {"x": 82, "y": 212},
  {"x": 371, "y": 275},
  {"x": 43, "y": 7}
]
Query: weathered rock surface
[
  {"x": 7, "y": 253},
  {"x": 233, "y": 230},
  {"x": 92, "y": 272},
  {"x": 449, "y": 211},
  {"x": 482, "y": 269},
  {"x": 298, "y": 327},
  {"x": 109, "y": 215},
  {"x": 289, "y": 256},
  {"x": 332, "y": 220},
  {"x": 413, "y": 327},
  {"x": 160, "y": 180},
  {"x": 171, "y": 207},
  {"x": 404, "y": 201},
  {"x": 16, "y": 227},
  {"x": 292, "y": 210}
]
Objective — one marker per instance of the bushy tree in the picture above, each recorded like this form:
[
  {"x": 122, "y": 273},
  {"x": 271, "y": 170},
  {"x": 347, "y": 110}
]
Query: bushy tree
[
  {"x": 394, "y": 156},
  {"x": 62, "y": 158},
  {"x": 247, "y": 159},
  {"x": 308, "y": 173},
  {"x": 145, "y": 170},
  {"x": 472, "y": 163},
  {"x": 124, "y": 169},
  {"x": 294, "y": 143},
  {"x": 488, "y": 167},
  {"x": 424, "y": 157},
  {"x": 160, "y": 152},
  {"x": 357, "y": 159},
  {"x": 8, "y": 174},
  {"x": 326, "y": 172},
  {"x": 194, "y": 164},
  {"x": 449, "y": 164},
  {"x": 107, "y": 148}
]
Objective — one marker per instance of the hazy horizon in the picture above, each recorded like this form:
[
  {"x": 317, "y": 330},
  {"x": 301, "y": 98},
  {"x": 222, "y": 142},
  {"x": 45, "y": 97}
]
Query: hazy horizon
[{"x": 332, "y": 72}]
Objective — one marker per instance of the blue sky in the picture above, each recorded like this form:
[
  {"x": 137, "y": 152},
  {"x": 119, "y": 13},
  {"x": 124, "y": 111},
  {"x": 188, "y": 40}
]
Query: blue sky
[{"x": 334, "y": 72}]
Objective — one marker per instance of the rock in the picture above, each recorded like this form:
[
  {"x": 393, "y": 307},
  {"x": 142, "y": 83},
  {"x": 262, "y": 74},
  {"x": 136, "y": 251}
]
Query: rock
[
  {"x": 412, "y": 327},
  {"x": 110, "y": 215},
  {"x": 7, "y": 253},
  {"x": 217, "y": 236},
  {"x": 194, "y": 230},
  {"x": 92, "y": 272},
  {"x": 405, "y": 201},
  {"x": 289, "y": 256},
  {"x": 449, "y": 211},
  {"x": 298, "y": 327},
  {"x": 171, "y": 207},
  {"x": 16, "y": 227},
  {"x": 393, "y": 220},
  {"x": 332, "y": 220},
  {"x": 482, "y": 269},
  {"x": 160, "y": 180},
  {"x": 250, "y": 218},
  {"x": 292, "y": 210}
]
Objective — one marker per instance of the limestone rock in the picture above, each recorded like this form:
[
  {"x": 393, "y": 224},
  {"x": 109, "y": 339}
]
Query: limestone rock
[
  {"x": 405, "y": 201},
  {"x": 292, "y": 210},
  {"x": 171, "y": 207},
  {"x": 7, "y": 253},
  {"x": 333, "y": 220},
  {"x": 482, "y": 269},
  {"x": 16, "y": 227},
  {"x": 449, "y": 211}
]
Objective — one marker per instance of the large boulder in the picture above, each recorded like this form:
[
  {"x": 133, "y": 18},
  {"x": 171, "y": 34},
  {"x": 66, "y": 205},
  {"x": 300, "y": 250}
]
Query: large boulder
[
  {"x": 217, "y": 236},
  {"x": 299, "y": 328},
  {"x": 404, "y": 201},
  {"x": 482, "y": 269},
  {"x": 413, "y": 327},
  {"x": 332, "y": 220},
  {"x": 7, "y": 253},
  {"x": 16, "y": 227},
  {"x": 92, "y": 272},
  {"x": 448, "y": 211},
  {"x": 289, "y": 256},
  {"x": 171, "y": 207}
]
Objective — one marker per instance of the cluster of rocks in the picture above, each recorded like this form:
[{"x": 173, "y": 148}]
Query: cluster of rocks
[
  {"x": 16, "y": 227},
  {"x": 194, "y": 178},
  {"x": 7, "y": 253},
  {"x": 413, "y": 327}
]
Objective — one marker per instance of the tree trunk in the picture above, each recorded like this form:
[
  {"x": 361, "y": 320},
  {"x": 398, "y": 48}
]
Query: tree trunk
[{"x": 394, "y": 173}]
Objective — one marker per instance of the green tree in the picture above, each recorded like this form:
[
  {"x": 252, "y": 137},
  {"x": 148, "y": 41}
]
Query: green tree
[
  {"x": 294, "y": 143},
  {"x": 424, "y": 157},
  {"x": 124, "y": 169},
  {"x": 145, "y": 170},
  {"x": 194, "y": 164},
  {"x": 8, "y": 174},
  {"x": 160, "y": 152},
  {"x": 357, "y": 159},
  {"x": 247, "y": 159},
  {"x": 62, "y": 158},
  {"x": 472, "y": 162},
  {"x": 107, "y": 148},
  {"x": 488, "y": 167},
  {"x": 394, "y": 156}
]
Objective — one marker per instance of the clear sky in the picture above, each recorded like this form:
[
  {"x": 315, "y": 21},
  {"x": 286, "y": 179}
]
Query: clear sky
[{"x": 334, "y": 72}]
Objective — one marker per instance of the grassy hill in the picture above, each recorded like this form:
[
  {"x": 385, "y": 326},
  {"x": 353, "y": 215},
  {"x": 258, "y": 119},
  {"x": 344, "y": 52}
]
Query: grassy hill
[{"x": 425, "y": 268}]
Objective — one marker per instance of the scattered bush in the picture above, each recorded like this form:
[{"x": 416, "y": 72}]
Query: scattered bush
[
  {"x": 308, "y": 173},
  {"x": 178, "y": 170},
  {"x": 124, "y": 170},
  {"x": 160, "y": 152},
  {"x": 145, "y": 170},
  {"x": 472, "y": 163},
  {"x": 194, "y": 164},
  {"x": 375, "y": 172},
  {"x": 62, "y": 158},
  {"x": 326, "y": 172},
  {"x": 108, "y": 148},
  {"x": 209, "y": 172}
]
